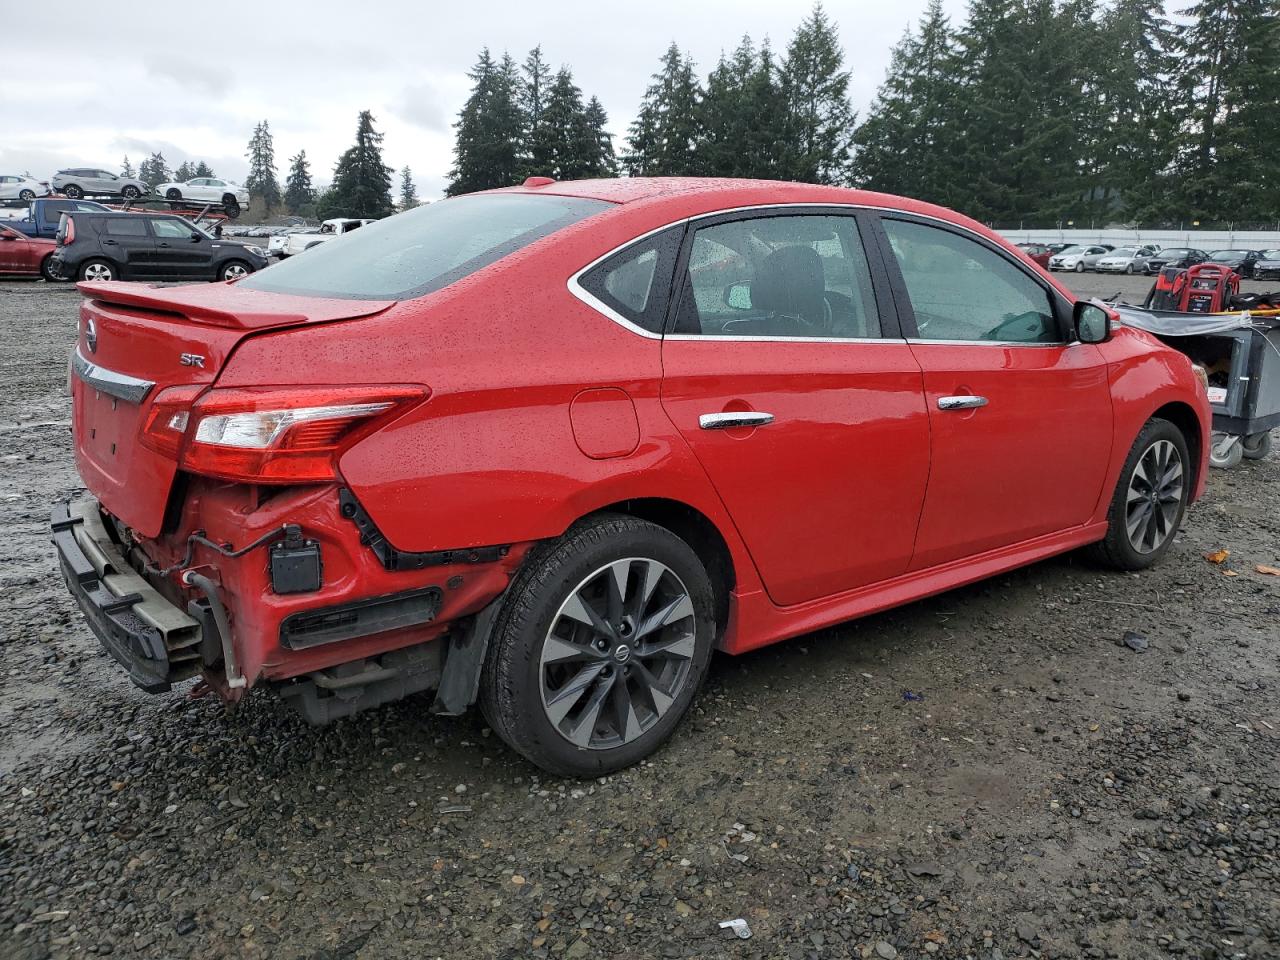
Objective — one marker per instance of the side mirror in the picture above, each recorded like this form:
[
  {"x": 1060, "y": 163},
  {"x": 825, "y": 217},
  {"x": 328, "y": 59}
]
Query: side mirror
[
  {"x": 196, "y": 236},
  {"x": 737, "y": 295},
  {"x": 1092, "y": 322}
]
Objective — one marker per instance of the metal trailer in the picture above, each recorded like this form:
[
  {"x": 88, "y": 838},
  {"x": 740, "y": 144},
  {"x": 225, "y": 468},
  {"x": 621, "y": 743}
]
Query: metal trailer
[{"x": 1242, "y": 353}]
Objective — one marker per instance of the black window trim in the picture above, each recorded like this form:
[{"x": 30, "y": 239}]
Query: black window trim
[
  {"x": 1062, "y": 308},
  {"x": 622, "y": 253},
  {"x": 130, "y": 218}
]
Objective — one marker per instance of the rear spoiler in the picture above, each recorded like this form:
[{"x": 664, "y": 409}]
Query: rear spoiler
[{"x": 224, "y": 305}]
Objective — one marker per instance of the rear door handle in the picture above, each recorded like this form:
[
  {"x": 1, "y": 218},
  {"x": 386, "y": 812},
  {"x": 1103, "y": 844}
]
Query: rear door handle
[
  {"x": 738, "y": 418},
  {"x": 962, "y": 402}
]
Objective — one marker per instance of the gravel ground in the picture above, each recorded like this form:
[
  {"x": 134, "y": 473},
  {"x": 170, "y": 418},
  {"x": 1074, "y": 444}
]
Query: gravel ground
[{"x": 990, "y": 773}]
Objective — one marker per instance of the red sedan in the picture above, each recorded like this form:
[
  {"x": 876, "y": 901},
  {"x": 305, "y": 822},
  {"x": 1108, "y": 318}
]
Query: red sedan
[
  {"x": 1038, "y": 252},
  {"x": 23, "y": 256},
  {"x": 549, "y": 446}
]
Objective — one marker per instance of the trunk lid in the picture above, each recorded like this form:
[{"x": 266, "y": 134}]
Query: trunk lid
[{"x": 134, "y": 342}]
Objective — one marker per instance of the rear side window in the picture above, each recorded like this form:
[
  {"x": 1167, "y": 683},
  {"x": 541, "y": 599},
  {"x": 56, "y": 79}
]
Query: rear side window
[
  {"x": 424, "y": 249},
  {"x": 126, "y": 227},
  {"x": 961, "y": 290},
  {"x": 636, "y": 282}
]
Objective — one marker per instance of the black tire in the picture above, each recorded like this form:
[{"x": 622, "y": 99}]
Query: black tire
[
  {"x": 26, "y": 196},
  {"x": 228, "y": 270},
  {"x": 95, "y": 266},
  {"x": 231, "y": 206},
  {"x": 46, "y": 269},
  {"x": 72, "y": 192},
  {"x": 1256, "y": 446},
  {"x": 173, "y": 193},
  {"x": 511, "y": 684},
  {"x": 130, "y": 192},
  {"x": 1117, "y": 550},
  {"x": 1128, "y": 268}
]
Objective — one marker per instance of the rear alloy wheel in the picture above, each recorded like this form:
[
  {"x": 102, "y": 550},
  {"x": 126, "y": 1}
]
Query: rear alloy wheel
[
  {"x": 47, "y": 271},
  {"x": 26, "y": 196},
  {"x": 231, "y": 206},
  {"x": 1128, "y": 268},
  {"x": 72, "y": 192},
  {"x": 131, "y": 192},
  {"x": 97, "y": 270},
  {"x": 600, "y": 647},
  {"x": 1150, "y": 499},
  {"x": 234, "y": 270},
  {"x": 1256, "y": 446}
]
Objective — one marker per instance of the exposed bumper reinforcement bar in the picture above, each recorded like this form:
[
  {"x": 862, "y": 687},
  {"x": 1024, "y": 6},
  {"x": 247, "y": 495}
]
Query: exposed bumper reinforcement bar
[{"x": 154, "y": 641}]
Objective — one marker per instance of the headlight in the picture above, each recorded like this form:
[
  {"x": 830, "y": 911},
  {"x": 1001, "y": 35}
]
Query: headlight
[
  {"x": 257, "y": 251},
  {"x": 1202, "y": 375}
]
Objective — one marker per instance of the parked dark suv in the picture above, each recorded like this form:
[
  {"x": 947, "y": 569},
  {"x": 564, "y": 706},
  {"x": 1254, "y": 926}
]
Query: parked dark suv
[{"x": 132, "y": 246}]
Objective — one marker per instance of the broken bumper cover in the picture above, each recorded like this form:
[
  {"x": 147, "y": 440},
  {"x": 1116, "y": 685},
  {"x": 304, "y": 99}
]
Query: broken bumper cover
[{"x": 144, "y": 632}]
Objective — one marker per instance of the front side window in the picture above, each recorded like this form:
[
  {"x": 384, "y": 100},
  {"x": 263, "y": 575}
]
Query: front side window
[
  {"x": 962, "y": 290},
  {"x": 169, "y": 229},
  {"x": 425, "y": 249},
  {"x": 785, "y": 276},
  {"x": 636, "y": 282}
]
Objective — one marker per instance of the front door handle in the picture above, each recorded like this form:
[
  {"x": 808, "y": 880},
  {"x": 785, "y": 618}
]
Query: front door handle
[
  {"x": 738, "y": 418},
  {"x": 963, "y": 402}
]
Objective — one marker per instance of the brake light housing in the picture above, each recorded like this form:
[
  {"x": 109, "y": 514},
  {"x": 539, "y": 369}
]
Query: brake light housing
[{"x": 269, "y": 435}]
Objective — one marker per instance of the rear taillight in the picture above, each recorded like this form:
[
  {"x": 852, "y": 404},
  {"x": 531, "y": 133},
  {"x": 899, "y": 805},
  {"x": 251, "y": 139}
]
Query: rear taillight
[
  {"x": 269, "y": 434},
  {"x": 67, "y": 231}
]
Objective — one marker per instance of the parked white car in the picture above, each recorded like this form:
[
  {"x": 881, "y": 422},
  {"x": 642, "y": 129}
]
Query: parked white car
[
  {"x": 205, "y": 190},
  {"x": 18, "y": 187},
  {"x": 1078, "y": 258},
  {"x": 298, "y": 242},
  {"x": 1126, "y": 259}
]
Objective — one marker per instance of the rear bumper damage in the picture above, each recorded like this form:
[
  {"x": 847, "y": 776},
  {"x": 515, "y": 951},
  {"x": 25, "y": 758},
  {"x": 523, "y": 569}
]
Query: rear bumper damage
[{"x": 371, "y": 628}]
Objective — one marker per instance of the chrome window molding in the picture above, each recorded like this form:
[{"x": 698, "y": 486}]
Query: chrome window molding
[
  {"x": 576, "y": 289},
  {"x": 119, "y": 385},
  {"x": 735, "y": 339},
  {"x": 992, "y": 343}
]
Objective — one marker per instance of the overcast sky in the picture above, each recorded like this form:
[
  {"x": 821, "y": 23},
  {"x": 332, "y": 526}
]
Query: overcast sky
[{"x": 191, "y": 81}]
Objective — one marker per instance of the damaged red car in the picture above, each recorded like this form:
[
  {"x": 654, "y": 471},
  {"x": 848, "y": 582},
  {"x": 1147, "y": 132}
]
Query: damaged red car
[{"x": 546, "y": 448}]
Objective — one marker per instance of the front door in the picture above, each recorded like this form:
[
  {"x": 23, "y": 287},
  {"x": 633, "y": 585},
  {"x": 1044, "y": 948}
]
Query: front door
[
  {"x": 181, "y": 252},
  {"x": 788, "y": 380},
  {"x": 1020, "y": 415}
]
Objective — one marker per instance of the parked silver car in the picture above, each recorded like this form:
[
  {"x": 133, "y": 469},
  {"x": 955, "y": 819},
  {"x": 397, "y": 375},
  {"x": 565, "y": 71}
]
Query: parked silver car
[
  {"x": 19, "y": 187},
  {"x": 1268, "y": 265},
  {"x": 78, "y": 182},
  {"x": 1126, "y": 259},
  {"x": 1078, "y": 258}
]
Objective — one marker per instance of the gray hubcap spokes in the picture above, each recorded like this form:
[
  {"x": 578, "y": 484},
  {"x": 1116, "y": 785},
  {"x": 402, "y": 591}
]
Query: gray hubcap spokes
[
  {"x": 1154, "y": 497},
  {"x": 234, "y": 272},
  {"x": 618, "y": 653},
  {"x": 97, "y": 271}
]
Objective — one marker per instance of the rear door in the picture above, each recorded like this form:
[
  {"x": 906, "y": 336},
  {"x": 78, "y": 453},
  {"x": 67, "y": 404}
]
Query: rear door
[
  {"x": 786, "y": 375},
  {"x": 1020, "y": 415},
  {"x": 127, "y": 241}
]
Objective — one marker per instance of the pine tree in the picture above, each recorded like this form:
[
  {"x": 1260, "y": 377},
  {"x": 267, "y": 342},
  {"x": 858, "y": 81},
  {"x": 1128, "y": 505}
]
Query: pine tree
[
  {"x": 902, "y": 144},
  {"x": 184, "y": 172},
  {"x": 662, "y": 138},
  {"x": 204, "y": 170},
  {"x": 126, "y": 168},
  {"x": 603, "y": 162},
  {"x": 299, "y": 194},
  {"x": 361, "y": 180},
  {"x": 408, "y": 192},
  {"x": 820, "y": 119},
  {"x": 261, "y": 154},
  {"x": 534, "y": 92},
  {"x": 1229, "y": 81},
  {"x": 572, "y": 143},
  {"x": 154, "y": 170},
  {"x": 743, "y": 117},
  {"x": 487, "y": 148}
]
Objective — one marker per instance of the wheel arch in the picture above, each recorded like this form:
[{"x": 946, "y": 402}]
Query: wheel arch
[
  {"x": 696, "y": 529},
  {"x": 1182, "y": 416}
]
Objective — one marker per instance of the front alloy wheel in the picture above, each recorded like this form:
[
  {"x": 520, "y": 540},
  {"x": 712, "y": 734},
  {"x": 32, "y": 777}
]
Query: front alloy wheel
[
  {"x": 1154, "y": 500},
  {"x": 618, "y": 653},
  {"x": 599, "y": 647}
]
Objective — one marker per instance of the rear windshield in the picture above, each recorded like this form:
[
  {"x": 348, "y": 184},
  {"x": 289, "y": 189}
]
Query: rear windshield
[{"x": 424, "y": 249}]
